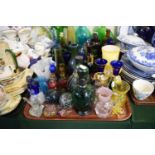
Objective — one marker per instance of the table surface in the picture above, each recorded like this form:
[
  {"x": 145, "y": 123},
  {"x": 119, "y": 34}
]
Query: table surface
[{"x": 142, "y": 117}]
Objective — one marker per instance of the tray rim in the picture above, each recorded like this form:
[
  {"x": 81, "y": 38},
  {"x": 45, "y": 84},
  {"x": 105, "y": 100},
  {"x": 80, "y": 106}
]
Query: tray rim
[
  {"x": 81, "y": 118},
  {"x": 141, "y": 102}
]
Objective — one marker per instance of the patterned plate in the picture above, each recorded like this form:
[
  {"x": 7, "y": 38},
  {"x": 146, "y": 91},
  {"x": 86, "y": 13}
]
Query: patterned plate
[
  {"x": 127, "y": 66},
  {"x": 144, "y": 55},
  {"x": 11, "y": 105}
]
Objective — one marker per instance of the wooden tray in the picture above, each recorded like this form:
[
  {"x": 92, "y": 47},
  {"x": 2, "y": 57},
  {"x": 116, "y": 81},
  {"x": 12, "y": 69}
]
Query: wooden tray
[
  {"x": 74, "y": 116},
  {"x": 149, "y": 101}
]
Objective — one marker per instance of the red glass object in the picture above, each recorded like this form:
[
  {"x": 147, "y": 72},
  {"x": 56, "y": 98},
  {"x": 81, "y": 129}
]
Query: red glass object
[{"x": 52, "y": 85}]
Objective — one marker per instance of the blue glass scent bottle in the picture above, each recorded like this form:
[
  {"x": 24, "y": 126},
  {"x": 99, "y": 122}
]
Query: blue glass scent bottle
[
  {"x": 116, "y": 65},
  {"x": 100, "y": 63},
  {"x": 33, "y": 86}
]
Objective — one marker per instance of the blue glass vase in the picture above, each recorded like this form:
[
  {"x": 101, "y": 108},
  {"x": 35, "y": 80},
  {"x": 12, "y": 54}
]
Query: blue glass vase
[
  {"x": 116, "y": 65},
  {"x": 33, "y": 86},
  {"x": 42, "y": 84},
  {"x": 100, "y": 63}
]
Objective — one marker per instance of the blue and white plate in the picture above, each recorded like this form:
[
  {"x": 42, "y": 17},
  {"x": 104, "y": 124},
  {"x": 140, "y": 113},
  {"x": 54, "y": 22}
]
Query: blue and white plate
[
  {"x": 143, "y": 58},
  {"x": 130, "y": 68}
]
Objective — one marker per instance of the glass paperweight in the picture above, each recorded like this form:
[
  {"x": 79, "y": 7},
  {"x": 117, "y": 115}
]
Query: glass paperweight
[
  {"x": 66, "y": 100},
  {"x": 50, "y": 110}
]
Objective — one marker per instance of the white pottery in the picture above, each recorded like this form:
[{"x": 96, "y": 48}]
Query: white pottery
[
  {"x": 10, "y": 34},
  {"x": 142, "y": 89}
]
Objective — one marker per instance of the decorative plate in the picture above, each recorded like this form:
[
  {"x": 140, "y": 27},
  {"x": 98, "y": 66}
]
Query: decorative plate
[
  {"x": 11, "y": 105},
  {"x": 144, "y": 55},
  {"x": 128, "y": 66}
]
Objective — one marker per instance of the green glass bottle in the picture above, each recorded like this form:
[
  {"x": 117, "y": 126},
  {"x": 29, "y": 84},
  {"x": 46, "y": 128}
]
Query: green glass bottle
[
  {"x": 101, "y": 31},
  {"x": 58, "y": 29},
  {"x": 83, "y": 94},
  {"x": 73, "y": 48},
  {"x": 82, "y": 35}
]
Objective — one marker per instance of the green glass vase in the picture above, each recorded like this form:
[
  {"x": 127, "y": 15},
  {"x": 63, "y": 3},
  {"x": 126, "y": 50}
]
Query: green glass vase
[
  {"x": 83, "y": 94},
  {"x": 82, "y": 35}
]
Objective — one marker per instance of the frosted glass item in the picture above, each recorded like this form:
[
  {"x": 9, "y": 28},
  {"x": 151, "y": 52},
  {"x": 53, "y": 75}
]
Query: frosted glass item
[
  {"x": 104, "y": 94},
  {"x": 110, "y": 52},
  {"x": 41, "y": 68},
  {"x": 104, "y": 110},
  {"x": 103, "y": 102},
  {"x": 36, "y": 102}
]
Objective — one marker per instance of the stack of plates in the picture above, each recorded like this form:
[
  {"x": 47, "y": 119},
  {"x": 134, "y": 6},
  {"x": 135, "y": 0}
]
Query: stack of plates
[
  {"x": 11, "y": 103},
  {"x": 16, "y": 85},
  {"x": 13, "y": 86},
  {"x": 131, "y": 73}
]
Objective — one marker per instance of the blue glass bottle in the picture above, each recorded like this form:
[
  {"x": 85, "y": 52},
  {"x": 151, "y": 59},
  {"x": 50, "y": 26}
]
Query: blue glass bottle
[
  {"x": 33, "y": 86},
  {"x": 42, "y": 84},
  {"x": 52, "y": 83},
  {"x": 116, "y": 65},
  {"x": 72, "y": 62}
]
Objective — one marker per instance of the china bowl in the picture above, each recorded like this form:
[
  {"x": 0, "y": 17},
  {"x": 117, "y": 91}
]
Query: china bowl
[
  {"x": 130, "y": 41},
  {"x": 142, "y": 89}
]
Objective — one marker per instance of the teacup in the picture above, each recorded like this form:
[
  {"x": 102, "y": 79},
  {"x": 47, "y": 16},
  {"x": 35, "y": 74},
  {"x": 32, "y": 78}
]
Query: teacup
[{"x": 142, "y": 89}]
